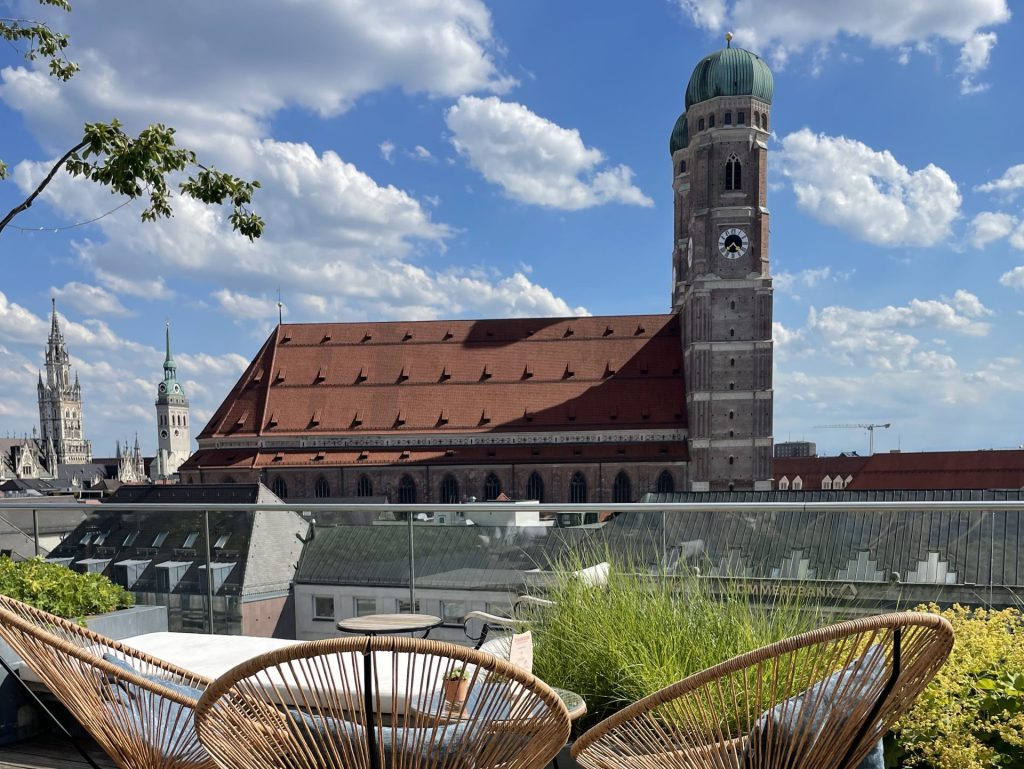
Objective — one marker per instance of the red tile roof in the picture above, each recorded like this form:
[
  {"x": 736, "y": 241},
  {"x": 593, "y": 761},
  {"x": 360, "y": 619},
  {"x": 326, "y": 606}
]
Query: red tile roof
[{"x": 535, "y": 374}]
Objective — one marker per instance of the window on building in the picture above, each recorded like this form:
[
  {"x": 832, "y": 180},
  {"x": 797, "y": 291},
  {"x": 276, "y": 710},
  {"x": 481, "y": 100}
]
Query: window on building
[
  {"x": 449, "y": 490},
  {"x": 764, "y": 120},
  {"x": 732, "y": 361},
  {"x": 826, "y": 483},
  {"x": 407, "y": 491},
  {"x": 364, "y": 606},
  {"x": 727, "y": 118},
  {"x": 130, "y": 539},
  {"x": 322, "y": 488},
  {"x": 222, "y": 540},
  {"x": 622, "y": 488},
  {"x": 798, "y": 484},
  {"x": 732, "y": 415},
  {"x": 365, "y": 486},
  {"x": 279, "y": 487},
  {"x": 405, "y": 607},
  {"x": 85, "y": 540},
  {"x": 700, "y": 124},
  {"x": 535, "y": 487},
  {"x": 159, "y": 539},
  {"x": 783, "y": 483},
  {"x": 190, "y": 540},
  {"x": 453, "y": 612},
  {"x": 323, "y": 608},
  {"x": 578, "y": 488},
  {"x": 711, "y": 121},
  {"x": 492, "y": 487},
  {"x": 682, "y": 166},
  {"x": 733, "y": 173},
  {"x": 666, "y": 484},
  {"x": 732, "y": 459},
  {"x": 741, "y": 117}
]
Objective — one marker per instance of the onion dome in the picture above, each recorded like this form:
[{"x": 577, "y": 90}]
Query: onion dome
[
  {"x": 680, "y": 138},
  {"x": 729, "y": 72}
]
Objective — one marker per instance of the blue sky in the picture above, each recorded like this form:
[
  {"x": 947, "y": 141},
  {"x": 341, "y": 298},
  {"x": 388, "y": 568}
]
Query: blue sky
[{"x": 470, "y": 159}]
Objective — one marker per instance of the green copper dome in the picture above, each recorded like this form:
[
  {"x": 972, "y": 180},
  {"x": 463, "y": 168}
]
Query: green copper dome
[
  {"x": 729, "y": 72},
  {"x": 680, "y": 138}
]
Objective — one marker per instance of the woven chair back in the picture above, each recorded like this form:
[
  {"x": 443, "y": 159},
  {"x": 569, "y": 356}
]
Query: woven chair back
[
  {"x": 139, "y": 722},
  {"x": 309, "y": 705},
  {"x": 820, "y": 700}
]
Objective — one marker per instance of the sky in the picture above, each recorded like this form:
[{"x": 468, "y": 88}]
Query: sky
[{"x": 463, "y": 159}]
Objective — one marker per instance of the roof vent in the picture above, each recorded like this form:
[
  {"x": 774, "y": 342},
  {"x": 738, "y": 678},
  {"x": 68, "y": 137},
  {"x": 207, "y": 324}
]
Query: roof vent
[
  {"x": 272, "y": 420},
  {"x": 363, "y": 455},
  {"x": 484, "y": 417},
  {"x": 356, "y": 419},
  {"x": 449, "y": 452},
  {"x": 367, "y": 336},
  {"x": 527, "y": 415},
  {"x": 241, "y": 419},
  {"x": 486, "y": 373},
  {"x": 442, "y": 418},
  {"x": 279, "y": 377},
  {"x": 613, "y": 412},
  {"x": 568, "y": 373},
  {"x": 489, "y": 333},
  {"x": 321, "y": 375},
  {"x": 320, "y": 455},
  {"x": 404, "y": 455},
  {"x": 325, "y": 338},
  {"x": 568, "y": 332},
  {"x": 258, "y": 376},
  {"x": 286, "y": 337},
  {"x": 570, "y": 413},
  {"x": 645, "y": 412},
  {"x": 492, "y": 453},
  {"x": 620, "y": 450},
  {"x": 577, "y": 452},
  {"x": 315, "y": 419},
  {"x": 447, "y": 335},
  {"x": 278, "y": 457},
  {"x": 403, "y": 375},
  {"x": 609, "y": 369},
  {"x": 639, "y": 330},
  {"x": 445, "y": 375},
  {"x": 406, "y": 336},
  {"x": 527, "y": 372},
  {"x": 535, "y": 452},
  {"x": 530, "y": 332},
  {"x": 400, "y": 419},
  {"x": 607, "y": 331},
  {"x": 364, "y": 373},
  {"x": 643, "y": 367}
]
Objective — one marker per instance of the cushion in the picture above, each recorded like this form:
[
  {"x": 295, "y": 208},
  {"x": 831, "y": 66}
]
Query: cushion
[
  {"x": 436, "y": 745},
  {"x": 183, "y": 689},
  {"x": 806, "y": 714}
]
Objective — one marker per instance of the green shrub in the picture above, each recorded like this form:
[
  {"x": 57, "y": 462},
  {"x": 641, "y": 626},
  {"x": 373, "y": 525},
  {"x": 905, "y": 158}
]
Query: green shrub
[
  {"x": 972, "y": 713},
  {"x": 641, "y": 632},
  {"x": 58, "y": 590}
]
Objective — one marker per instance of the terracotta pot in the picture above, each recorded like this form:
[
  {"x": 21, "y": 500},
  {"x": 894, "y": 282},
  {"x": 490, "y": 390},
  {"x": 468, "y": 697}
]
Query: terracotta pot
[{"x": 455, "y": 692}]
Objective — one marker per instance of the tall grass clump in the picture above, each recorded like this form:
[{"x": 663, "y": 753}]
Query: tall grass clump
[{"x": 642, "y": 630}]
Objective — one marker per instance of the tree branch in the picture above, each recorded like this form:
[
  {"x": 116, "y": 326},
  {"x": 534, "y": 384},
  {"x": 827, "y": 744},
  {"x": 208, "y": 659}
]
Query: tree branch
[{"x": 27, "y": 203}]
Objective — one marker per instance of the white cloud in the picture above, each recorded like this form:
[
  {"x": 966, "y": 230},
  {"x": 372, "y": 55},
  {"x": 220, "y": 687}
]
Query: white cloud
[
  {"x": 970, "y": 305},
  {"x": 387, "y": 150},
  {"x": 1013, "y": 279},
  {"x": 18, "y": 324},
  {"x": 1009, "y": 182},
  {"x": 534, "y": 160},
  {"x": 243, "y": 307},
  {"x": 790, "y": 283},
  {"x": 869, "y": 194},
  {"x": 421, "y": 153},
  {"x": 792, "y": 26},
  {"x": 89, "y": 299},
  {"x": 989, "y": 225},
  {"x": 974, "y": 58}
]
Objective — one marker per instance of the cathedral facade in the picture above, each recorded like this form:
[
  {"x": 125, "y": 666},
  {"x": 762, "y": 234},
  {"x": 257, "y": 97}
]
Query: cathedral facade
[
  {"x": 596, "y": 409},
  {"x": 60, "y": 402}
]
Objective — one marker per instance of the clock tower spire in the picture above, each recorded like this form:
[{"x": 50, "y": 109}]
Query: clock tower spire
[
  {"x": 174, "y": 443},
  {"x": 722, "y": 286}
]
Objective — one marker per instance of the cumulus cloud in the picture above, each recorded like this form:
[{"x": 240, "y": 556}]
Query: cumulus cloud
[
  {"x": 791, "y": 283},
  {"x": 1013, "y": 279},
  {"x": 868, "y": 193},
  {"x": 89, "y": 299},
  {"x": 989, "y": 225},
  {"x": 534, "y": 160},
  {"x": 1009, "y": 182},
  {"x": 795, "y": 25}
]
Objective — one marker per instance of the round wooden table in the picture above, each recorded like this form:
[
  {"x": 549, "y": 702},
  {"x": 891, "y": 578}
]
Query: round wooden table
[{"x": 389, "y": 624}]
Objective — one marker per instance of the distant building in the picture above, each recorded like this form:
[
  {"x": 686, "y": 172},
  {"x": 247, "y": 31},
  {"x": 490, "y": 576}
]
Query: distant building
[
  {"x": 17, "y": 526},
  {"x": 174, "y": 443},
  {"x": 60, "y": 402},
  {"x": 789, "y": 449},
  {"x": 160, "y": 557},
  {"x": 985, "y": 469}
]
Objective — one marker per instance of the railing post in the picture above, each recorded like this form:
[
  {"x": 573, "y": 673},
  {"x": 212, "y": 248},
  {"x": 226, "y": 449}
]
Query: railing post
[
  {"x": 35, "y": 529},
  {"x": 209, "y": 574},
  {"x": 412, "y": 564}
]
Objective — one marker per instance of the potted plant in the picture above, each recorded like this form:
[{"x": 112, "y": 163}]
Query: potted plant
[{"x": 456, "y": 687}]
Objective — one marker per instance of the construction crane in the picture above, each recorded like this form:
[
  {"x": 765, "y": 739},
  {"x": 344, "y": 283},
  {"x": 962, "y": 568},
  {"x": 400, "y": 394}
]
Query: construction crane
[{"x": 869, "y": 427}]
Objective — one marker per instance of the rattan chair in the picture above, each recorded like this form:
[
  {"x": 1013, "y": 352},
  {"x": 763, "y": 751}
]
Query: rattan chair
[
  {"x": 376, "y": 703},
  {"x": 820, "y": 700},
  {"x": 138, "y": 708}
]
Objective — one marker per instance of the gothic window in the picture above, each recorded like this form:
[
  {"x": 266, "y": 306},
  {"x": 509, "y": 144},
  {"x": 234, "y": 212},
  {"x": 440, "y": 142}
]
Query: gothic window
[
  {"x": 682, "y": 166},
  {"x": 732, "y": 173},
  {"x": 535, "y": 487},
  {"x": 578, "y": 488},
  {"x": 732, "y": 305},
  {"x": 322, "y": 488},
  {"x": 666, "y": 485},
  {"x": 741, "y": 117},
  {"x": 365, "y": 486},
  {"x": 732, "y": 415},
  {"x": 279, "y": 487},
  {"x": 449, "y": 490},
  {"x": 492, "y": 487},
  {"x": 727, "y": 119},
  {"x": 711, "y": 121},
  {"x": 407, "y": 491},
  {"x": 622, "y": 490},
  {"x": 764, "y": 120},
  {"x": 700, "y": 124}
]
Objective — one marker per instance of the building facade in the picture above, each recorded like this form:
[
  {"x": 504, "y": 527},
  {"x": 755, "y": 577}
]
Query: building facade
[
  {"x": 598, "y": 409},
  {"x": 174, "y": 443},
  {"x": 60, "y": 402}
]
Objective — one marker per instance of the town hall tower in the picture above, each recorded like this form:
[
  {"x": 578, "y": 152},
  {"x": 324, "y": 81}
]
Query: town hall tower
[
  {"x": 60, "y": 403},
  {"x": 722, "y": 287}
]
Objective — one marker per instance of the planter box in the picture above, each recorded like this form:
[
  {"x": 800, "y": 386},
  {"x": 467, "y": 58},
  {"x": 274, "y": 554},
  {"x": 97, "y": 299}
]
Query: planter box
[{"x": 20, "y": 718}]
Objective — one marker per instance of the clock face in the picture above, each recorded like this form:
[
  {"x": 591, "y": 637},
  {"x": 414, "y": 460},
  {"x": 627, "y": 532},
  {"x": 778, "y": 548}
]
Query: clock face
[
  {"x": 163, "y": 433},
  {"x": 733, "y": 243},
  {"x": 163, "y": 387}
]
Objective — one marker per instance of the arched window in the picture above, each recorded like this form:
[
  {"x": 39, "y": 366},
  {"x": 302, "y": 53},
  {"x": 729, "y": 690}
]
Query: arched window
[
  {"x": 666, "y": 484},
  {"x": 700, "y": 124},
  {"x": 727, "y": 118},
  {"x": 622, "y": 489},
  {"x": 535, "y": 487},
  {"x": 365, "y": 486},
  {"x": 492, "y": 487},
  {"x": 449, "y": 490},
  {"x": 764, "y": 120},
  {"x": 732, "y": 415},
  {"x": 407, "y": 491},
  {"x": 279, "y": 487},
  {"x": 578, "y": 488},
  {"x": 711, "y": 120},
  {"x": 322, "y": 488},
  {"x": 682, "y": 166},
  {"x": 732, "y": 173},
  {"x": 732, "y": 459}
]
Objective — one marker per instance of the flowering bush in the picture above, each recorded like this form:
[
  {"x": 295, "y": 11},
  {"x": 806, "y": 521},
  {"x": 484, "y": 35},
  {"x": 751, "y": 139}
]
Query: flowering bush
[
  {"x": 972, "y": 714},
  {"x": 58, "y": 590}
]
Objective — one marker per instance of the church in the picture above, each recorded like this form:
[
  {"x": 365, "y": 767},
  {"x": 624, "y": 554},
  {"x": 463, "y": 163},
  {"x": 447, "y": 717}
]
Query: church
[{"x": 588, "y": 409}]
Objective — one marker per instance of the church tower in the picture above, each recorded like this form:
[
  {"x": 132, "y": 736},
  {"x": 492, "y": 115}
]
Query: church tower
[
  {"x": 722, "y": 287},
  {"x": 173, "y": 442},
  {"x": 60, "y": 402}
]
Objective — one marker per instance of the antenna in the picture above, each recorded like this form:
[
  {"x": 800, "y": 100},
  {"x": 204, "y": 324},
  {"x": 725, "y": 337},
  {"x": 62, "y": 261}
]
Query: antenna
[
  {"x": 279, "y": 307},
  {"x": 861, "y": 426}
]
